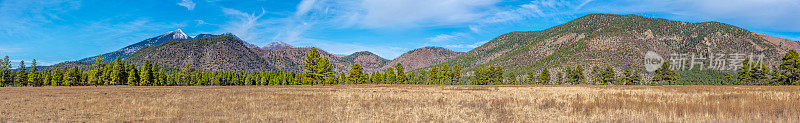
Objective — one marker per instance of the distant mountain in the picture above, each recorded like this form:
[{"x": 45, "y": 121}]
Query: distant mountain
[
  {"x": 422, "y": 57},
  {"x": 130, "y": 49},
  {"x": 199, "y": 36},
  {"x": 620, "y": 41},
  {"x": 275, "y": 45},
  {"x": 366, "y": 59},
  {"x": 291, "y": 59},
  {"x": 207, "y": 53}
]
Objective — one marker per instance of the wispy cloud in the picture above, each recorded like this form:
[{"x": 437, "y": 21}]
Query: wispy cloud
[
  {"x": 247, "y": 26},
  {"x": 29, "y": 16},
  {"x": 470, "y": 46},
  {"x": 189, "y": 4},
  {"x": 442, "y": 38}
]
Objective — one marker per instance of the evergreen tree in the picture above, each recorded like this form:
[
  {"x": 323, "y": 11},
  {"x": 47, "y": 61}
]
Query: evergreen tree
[
  {"x": 5, "y": 74},
  {"x": 512, "y": 79},
  {"x": 665, "y": 75},
  {"x": 606, "y": 76},
  {"x": 57, "y": 77},
  {"x": 456, "y": 74},
  {"x": 72, "y": 76},
  {"x": 497, "y": 75},
  {"x": 316, "y": 69},
  {"x": 745, "y": 74},
  {"x": 118, "y": 72},
  {"x": 544, "y": 76},
  {"x": 96, "y": 73},
  {"x": 133, "y": 76},
  {"x": 759, "y": 73},
  {"x": 155, "y": 69},
  {"x": 22, "y": 74},
  {"x": 433, "y": 75},
  {"x": 480, "y": 77},
  {"x": 186, "y": 74},
  {"x": 631, "y": 77},
  {"x": 401, "y": 75},
  {"x": 33, "y": 75},
  {"x": 575, "y": 76},
  {"x": 162, "y": 77},
  {"x": 596, "y": 75},
  {"x": 559, "y": 78},
  {"x": 391, "y": 77},
  {"x": 357, "y": 75},
  {"x": 790, "y": 69},
  {"x": 532, "y": 77},
  {"x": 147, "y": 73}
]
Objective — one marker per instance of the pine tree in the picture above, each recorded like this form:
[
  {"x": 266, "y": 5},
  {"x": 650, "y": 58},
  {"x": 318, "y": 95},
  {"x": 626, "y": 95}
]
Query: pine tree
[
  {"x": 357, "y": 75},
  {"x": 544, "y": 76},
  {"x": 391, "y": 77},
  {"x": 512, "y": 79},
  {"x": 532, "y": 77},
  {"x": 186, "y": 74},
  {"x": 759, "y": 73},
  {"x": 96, "y": 73},
  {"x": 790, "y": 67},
  {"x": 665, "y": 75},
  {"x": 433, "y": 75},
  {"x": 631, "y": 77},
  {"x": 456, "y": 73},
  {"x": 147, "y": 73},
  {"x": 607, "y": 76},
  {"x": 575, "y": 76},
  {"x": 559, "y": 78},
  {"x": 22, "y": 74},
  {"x": 596, "y": 75},
  {"x": 133, "y": 76},
  {"x": 5, "y": 74},
  {"x": 57, "y": 77},
  {"x": 401, "y": 74},
  {"x": 33, "y": 75},
  {"x": 162, "y": 77},
  {"x": 118, "y": 73},
  {"x": 745, "y": 74},
  {"x": 316, "y": 69},
  {"x": 156, "y": 74},
  {"x": 72, "y": 76}
]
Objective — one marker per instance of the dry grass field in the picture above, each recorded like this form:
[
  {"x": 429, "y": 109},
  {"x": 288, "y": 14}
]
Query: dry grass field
[{"x": 402, "y": 103}]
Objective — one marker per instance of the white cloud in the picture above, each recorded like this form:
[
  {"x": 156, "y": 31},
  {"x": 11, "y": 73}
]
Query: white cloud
[
  {"x": 442, "y": 38},
  {"x": 244, "y": 25},
  {"x": 29, "y": 15},
  {"x": 470, "y": 46},
  {"x": 304, "y": 7},
  {"x": 189, "y": 4}
]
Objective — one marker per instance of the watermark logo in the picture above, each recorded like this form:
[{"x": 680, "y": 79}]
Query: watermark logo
[
  {"x": 712, "y": 61},
  {"x": 652, "y": 61}
]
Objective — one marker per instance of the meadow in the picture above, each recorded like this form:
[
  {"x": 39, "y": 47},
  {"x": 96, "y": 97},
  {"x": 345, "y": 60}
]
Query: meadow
[{"x": 401, "y": 103}]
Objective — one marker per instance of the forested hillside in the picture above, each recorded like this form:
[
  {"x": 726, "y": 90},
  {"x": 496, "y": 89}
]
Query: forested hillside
[
  {"x": 619, "y": 41},
  {"x": 207, "y": 54}
]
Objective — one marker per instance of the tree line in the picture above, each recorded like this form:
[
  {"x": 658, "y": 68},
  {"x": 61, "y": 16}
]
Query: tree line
[{"x": 318, "y": 71}]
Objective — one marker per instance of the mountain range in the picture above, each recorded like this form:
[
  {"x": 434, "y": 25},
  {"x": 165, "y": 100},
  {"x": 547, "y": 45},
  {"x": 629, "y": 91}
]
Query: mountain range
[
  {"x": 592, "y": 40},
  {"x": 622, "y": 41},
  {"x": 228, "y": 52}
]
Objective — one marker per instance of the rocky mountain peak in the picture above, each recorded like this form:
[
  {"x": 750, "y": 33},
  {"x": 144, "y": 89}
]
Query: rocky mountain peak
[
  {"x": 275, "y": 45},
  {"x": 177, "y": 34}
]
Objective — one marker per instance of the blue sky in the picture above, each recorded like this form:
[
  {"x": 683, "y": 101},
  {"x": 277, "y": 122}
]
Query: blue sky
[{"x": 54, "y": 31}]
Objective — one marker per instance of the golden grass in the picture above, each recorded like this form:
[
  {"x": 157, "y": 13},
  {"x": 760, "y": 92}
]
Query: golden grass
[{"x": 402, "y": 103}]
